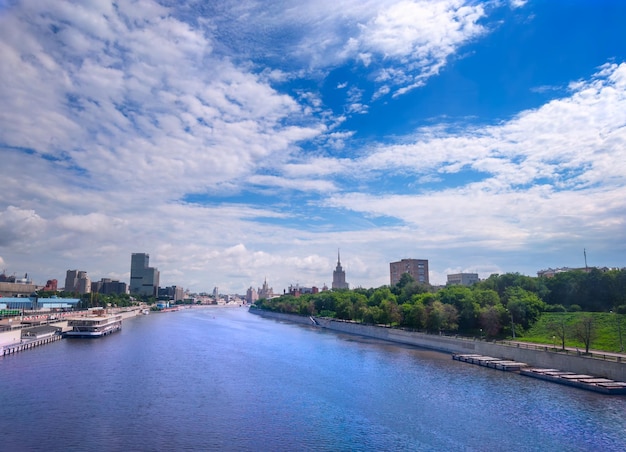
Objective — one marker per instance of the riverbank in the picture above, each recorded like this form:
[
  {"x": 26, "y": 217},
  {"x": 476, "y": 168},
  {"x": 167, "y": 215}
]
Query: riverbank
[
  {"x": 14, "y": 337},
  {"x": 543, "y": 357}
]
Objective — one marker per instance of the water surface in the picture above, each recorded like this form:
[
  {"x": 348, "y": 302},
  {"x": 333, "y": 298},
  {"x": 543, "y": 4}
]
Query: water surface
[{"x": 225, "y": 379}]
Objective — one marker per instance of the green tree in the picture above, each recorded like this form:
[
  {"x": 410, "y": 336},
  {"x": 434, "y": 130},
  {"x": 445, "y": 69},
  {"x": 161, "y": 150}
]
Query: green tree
[
  {"x": 585, "y": 331},
  {"x": 462, "y": 298},
  {"x": 486, "y": 297},
  {"x": 390, "y": 312},
  {"x": 381, "y": 294},
  {"x": 413, "y": 315},
  {"x": 524, "y": 307},
  {"x": 442, "y": 317},
  {"x": 559, "y": 328},
  {"x": 343, "y": 308},
  {"x": 491, "y": 319},
  {"x": 359, "y": 305},
  {"x": 373, "y": 314}
]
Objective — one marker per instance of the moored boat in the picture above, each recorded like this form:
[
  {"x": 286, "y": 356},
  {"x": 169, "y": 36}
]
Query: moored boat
[{"x": 95, "y": 325}]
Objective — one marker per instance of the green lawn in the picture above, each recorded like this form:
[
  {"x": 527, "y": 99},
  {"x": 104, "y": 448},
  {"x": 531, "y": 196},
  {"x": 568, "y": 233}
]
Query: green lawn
[{"x": 605, "y": 326}]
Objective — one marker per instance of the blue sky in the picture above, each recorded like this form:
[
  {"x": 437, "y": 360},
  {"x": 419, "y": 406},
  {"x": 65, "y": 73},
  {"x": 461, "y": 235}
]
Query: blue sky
[{"x": 235, "y": 141}]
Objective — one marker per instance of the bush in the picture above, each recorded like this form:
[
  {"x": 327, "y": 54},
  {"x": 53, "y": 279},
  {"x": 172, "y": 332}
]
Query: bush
[
  {"x": 574, "y": 308},
  {"x": 555, "y": 308}
]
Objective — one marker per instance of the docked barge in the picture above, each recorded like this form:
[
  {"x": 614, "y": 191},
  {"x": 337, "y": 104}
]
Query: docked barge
[
  {"x": 588, "y": 382},
  {"x": 95, "y": 325}
]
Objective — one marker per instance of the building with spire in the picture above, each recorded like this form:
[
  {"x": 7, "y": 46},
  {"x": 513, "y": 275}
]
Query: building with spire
[
  {"x": 266, "y": 291},
  {"x": 339, "y": 276}
]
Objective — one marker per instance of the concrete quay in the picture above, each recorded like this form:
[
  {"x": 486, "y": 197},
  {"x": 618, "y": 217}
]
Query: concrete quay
[
  {"x": 534, "y": 356},
  {"x": 15, "y": 338},
  {"x": 26, "y": 345}
]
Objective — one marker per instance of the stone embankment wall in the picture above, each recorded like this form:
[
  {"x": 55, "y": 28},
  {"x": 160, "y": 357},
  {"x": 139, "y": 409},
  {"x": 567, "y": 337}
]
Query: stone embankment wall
[{"x": 450, "y": 344}]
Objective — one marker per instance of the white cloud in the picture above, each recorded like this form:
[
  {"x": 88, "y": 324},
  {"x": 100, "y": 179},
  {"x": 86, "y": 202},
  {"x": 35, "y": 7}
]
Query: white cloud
[
  {"x": 411, "y": 39},
  {"x": 18, "y": 227},
  {"x": 139, "y": 89},
  {"x": 550, "y": 175},
  {"x": 121, "y": 117}
]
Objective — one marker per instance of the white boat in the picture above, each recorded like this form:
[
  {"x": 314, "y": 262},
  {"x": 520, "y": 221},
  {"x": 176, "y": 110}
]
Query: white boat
[{"x": 96, "y": 325}]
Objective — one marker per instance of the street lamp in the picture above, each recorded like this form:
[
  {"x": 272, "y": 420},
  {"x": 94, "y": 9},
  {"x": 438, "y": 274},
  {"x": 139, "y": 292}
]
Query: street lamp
[{"x": 512, "y": 324}]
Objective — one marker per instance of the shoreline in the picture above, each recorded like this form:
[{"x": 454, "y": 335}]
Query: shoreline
[{"x": 540, "y": 357}]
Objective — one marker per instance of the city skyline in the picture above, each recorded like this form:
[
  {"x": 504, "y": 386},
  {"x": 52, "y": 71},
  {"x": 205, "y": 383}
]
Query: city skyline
[{"x": 240, "y": 140}]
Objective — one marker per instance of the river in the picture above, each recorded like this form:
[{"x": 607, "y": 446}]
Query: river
[{"x": 225, "y": 379}]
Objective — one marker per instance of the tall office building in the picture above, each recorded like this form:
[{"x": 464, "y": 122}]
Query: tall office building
[
  {"x": 71, "y": 278},
  {"x": 144, "y": 280},
  {"x": 339, "y": 276},
  {"x": 77, "y": 281},
  {"x": 417, "y": 268}
]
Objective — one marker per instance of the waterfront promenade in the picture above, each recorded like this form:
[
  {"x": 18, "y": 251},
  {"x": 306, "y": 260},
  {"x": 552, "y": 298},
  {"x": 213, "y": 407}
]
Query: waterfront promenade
[
  {"x": 608, "y": 365},
  {"x": 12, "y": 339}
]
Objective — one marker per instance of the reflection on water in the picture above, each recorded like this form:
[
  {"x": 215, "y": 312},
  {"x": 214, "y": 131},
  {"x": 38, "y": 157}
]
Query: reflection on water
[{"x": 224, "y": 379}]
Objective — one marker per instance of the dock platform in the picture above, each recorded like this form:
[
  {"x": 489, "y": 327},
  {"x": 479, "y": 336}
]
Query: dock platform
[
  {"x": 581, "y": 381},
  {"x": 493, "y": 363},
  {"x": 588, "y": 382},
  {"x": 25, "y": 345}
]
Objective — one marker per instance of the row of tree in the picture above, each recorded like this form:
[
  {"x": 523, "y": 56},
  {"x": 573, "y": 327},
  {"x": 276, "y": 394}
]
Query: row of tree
[{"x": 500, "y": 305}]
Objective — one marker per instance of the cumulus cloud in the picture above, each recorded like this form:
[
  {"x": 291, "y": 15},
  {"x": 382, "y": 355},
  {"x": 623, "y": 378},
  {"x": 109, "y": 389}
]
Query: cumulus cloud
[
  {"x": 144, "y": 90},
  {"x": 140, "y": 127},
  {"x": 18, "y": 227},
  {"x": 543, "y": 174},
  {"x": 404, "y": 42},
  {"x": 420, "y": 36}
]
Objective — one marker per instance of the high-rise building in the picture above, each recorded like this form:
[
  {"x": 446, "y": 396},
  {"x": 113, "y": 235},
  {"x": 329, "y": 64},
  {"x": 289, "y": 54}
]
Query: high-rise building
[
  {"x": 109, "y": 286},
  {"x": 77, "y": 281},
  {"x": 173, "y": 293},
  {"x": 144, "y": 280},
  {"x": 266, "y": 291},
  {"x": 417, "y": 268},
  {"x": 339, "y": 276},
  {"x": 251, "y": 295},
  {"x": 71, "y": 277}
]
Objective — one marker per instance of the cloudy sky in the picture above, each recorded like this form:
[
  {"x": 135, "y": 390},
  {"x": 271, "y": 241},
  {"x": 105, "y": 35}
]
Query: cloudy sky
[{"x": 238, "y": 140}]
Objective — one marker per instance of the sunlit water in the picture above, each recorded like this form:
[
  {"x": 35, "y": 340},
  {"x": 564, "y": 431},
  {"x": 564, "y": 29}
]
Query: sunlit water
[{"x": 225, "y": 379}]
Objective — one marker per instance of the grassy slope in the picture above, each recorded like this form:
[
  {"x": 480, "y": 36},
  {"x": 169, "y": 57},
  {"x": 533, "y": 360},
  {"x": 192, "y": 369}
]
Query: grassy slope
[{"x": 606, "y": 331}]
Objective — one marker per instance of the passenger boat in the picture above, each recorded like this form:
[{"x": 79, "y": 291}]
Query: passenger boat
[{"x": 95, "y": 325}]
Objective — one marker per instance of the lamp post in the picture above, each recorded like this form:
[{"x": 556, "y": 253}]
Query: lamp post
[{"x": 512, "y": 324}]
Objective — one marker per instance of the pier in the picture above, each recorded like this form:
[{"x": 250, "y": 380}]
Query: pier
[
  {"x": 15, "y": 348},
  {"x": 581, "y": 381},
  {"x": 588, "y": 382},
  {"x": 493, "y": 363}
]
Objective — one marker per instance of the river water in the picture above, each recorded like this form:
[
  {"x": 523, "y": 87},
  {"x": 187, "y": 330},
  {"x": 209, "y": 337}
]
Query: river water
[{"x": 225, "y": 379}]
